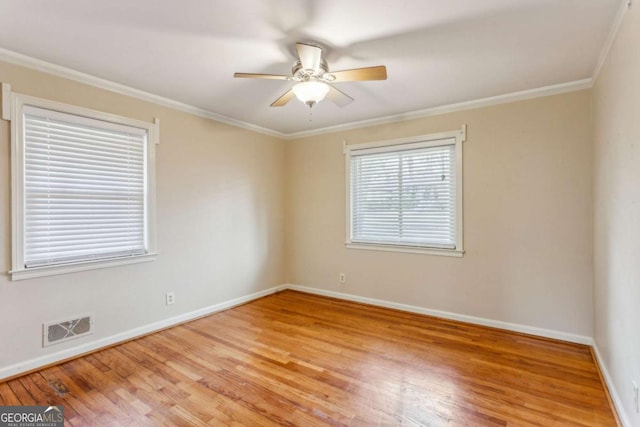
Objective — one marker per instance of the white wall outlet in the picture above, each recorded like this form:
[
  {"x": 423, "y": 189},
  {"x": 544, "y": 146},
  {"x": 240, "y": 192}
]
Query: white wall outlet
[
  {"x": 635, "y": 396},
  {"x": 343, "y": 278},
  {"x": 171, "y": 298}
]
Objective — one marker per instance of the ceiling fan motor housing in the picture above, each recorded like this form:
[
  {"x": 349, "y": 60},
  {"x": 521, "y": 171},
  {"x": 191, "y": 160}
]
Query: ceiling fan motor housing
[{"x": 300, "y": 74}]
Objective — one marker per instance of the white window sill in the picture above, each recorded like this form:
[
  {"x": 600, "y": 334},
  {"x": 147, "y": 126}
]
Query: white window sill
[
  {"x": 408, "y": 249},
  {"x": 29, "y": 273}
]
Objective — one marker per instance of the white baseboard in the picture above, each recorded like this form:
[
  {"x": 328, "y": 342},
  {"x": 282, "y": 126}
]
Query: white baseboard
[
  {"x": 531, "y": 330},
  {"x": 38, "y": 362},
  {"x": 615, "y": 397}
]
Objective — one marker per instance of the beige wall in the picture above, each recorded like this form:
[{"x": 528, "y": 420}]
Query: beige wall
[
  {"x": 220, "y": 202},
  {"x": 527, "y": 218},
  {"x": 617, "y": 211}
]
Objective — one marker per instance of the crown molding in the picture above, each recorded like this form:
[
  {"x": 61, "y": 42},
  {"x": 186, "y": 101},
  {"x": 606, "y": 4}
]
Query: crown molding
[
  {"x": 68, "y": 73},
  {"x": 625, "y": 5},
  {"x": 450, "y": 108}
]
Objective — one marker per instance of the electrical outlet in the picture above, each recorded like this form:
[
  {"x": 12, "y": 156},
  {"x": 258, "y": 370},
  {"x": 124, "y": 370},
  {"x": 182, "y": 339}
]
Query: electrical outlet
[
  {"x": 635, "y": 396},
  {"x": 343, "y": 278},
  {"x": 171, "y": 298}
]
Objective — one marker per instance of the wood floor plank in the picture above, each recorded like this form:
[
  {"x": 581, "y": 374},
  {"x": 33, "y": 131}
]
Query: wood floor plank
[
  {"x": 20, "y": 392},
  {"x": 296, "y": 359}
]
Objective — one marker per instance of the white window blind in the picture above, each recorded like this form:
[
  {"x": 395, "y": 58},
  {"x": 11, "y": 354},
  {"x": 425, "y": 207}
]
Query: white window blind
[
  {"x": 84, "y": 188},
  {"x": 404, "y": 195}
]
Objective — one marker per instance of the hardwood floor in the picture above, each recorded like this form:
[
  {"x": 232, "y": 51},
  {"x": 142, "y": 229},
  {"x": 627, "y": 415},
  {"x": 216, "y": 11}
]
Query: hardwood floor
[{"x": 304, "y": 360}]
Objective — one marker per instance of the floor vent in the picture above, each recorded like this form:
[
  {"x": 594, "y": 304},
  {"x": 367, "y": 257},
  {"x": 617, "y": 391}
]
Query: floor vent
[{"x": 57, "y": 332}]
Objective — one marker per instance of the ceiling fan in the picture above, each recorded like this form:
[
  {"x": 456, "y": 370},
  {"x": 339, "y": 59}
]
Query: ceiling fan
[{"x": 311, "y": 71}]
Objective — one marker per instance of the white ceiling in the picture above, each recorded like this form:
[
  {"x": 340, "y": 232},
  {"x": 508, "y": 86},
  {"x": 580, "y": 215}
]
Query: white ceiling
[{"x": 437, "y": 52}]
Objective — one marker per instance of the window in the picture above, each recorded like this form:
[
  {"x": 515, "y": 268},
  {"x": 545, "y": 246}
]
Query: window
[
  {"x": 406, "y": 195},
  {"x": 83, "y": 190}
]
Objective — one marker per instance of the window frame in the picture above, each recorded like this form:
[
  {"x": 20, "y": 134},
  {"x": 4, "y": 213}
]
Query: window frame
[
  {"x": 428, "y": 140},
  {"x": 19, "y": 270}
]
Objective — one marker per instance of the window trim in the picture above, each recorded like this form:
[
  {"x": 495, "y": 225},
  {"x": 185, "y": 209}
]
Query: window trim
[
  {"x": 19, "y": 271},
  {"x": 429, "y": 140}
]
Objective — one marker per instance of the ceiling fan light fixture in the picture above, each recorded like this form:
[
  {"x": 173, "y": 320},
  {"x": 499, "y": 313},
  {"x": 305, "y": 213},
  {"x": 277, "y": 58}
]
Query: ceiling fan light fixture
[{"x": 311, "y": 93}]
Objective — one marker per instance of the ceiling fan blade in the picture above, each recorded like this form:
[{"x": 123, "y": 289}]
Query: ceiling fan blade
[
  {"x": 282, "y": 101},
  {"x": 261, "y": 76},
  {"x": 310, "y": 56},
  {"x": 338, "y": 97},
  {"x": 358, "y": 74}
]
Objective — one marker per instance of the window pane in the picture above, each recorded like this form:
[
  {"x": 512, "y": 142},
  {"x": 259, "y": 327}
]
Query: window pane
[
  {"x": 404, "y": 197},
  {"x": 84, "y": 187}
]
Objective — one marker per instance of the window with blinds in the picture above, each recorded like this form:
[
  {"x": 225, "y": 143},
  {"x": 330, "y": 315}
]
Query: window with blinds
[
  {"x": 83, "y": 189},
  {"x": 405, "y": 195}
]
